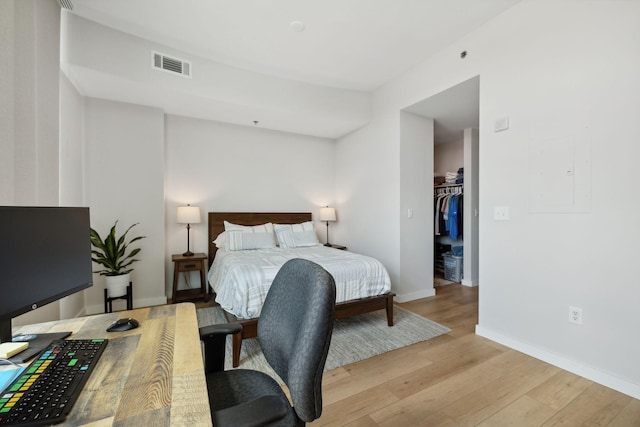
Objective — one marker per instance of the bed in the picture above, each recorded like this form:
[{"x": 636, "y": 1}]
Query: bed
[{"x": 349, "y": 302}]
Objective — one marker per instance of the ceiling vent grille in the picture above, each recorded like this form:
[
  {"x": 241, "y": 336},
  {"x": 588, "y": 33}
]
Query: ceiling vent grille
[
  {"x": 171, "y": 65},
  {"x": 66, "y": 4}
]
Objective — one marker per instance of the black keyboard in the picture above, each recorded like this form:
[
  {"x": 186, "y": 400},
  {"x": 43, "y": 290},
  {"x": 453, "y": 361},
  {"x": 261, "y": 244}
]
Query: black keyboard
[{"x": 47, "y": 389}]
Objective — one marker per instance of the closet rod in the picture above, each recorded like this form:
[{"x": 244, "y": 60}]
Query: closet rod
[{"x": 448, "y": 189}]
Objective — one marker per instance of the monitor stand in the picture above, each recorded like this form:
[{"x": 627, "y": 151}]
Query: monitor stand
[{"x": 37, "y": 343}]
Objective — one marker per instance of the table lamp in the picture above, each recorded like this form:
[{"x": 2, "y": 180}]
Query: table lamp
[
  {"x": 188, "y": 215},
  {"x": 327, "y": 214}
]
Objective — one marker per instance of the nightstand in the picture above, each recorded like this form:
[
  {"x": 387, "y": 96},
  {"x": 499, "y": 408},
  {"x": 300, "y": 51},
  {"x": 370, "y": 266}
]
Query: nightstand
[
  {"x": 334, "y": 246},
  {"x": 181, "y": 264}
]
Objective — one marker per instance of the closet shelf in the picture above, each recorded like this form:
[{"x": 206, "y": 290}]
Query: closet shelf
[{"x": 448, "y": 185}]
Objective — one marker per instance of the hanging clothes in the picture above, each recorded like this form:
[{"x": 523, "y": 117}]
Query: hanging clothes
[
  {"x": 453, "y": 216},
  {"x": 448, "y": 216}
]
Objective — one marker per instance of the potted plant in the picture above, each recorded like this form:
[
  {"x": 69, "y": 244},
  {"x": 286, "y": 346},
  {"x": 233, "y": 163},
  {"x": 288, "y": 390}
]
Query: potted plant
[{"x": 112, "y": 254}]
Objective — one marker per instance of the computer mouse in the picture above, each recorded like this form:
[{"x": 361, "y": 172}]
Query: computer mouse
[{"x": 121, "y": 325}]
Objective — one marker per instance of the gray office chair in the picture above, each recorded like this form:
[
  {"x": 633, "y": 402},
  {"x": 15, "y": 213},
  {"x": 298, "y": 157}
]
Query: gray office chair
[{"x": 294, "y": 332}]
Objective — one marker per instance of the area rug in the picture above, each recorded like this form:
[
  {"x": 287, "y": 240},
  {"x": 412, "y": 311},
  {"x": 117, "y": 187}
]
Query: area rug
[{"x": 356, "y": 338}]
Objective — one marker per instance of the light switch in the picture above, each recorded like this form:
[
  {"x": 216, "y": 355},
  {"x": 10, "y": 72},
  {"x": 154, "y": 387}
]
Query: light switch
[
  {"x": 501, "y": 124},
  {"x": 409, "y": 213},
  {"x": 501, "y": 213}
]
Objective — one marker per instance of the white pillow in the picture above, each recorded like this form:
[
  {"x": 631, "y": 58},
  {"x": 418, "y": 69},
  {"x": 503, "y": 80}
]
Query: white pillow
[
  {"x": 262, "y": 228},
  {"x": 239, "y": 241},
  {"x": 296, "y": 235},
  {"x": 221, "y": 241},
  {"x": 244, "y": 237}
]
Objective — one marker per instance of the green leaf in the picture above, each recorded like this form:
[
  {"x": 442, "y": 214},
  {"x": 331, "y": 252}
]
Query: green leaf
[{"x": 111, "y": 253}]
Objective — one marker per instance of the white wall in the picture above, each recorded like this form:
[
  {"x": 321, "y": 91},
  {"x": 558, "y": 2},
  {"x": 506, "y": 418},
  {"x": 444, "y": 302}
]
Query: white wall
[
  {"x": 546, "y": 66},
  {"x": 124, "y": 181},
  {"x": 471, "y": 207},
  {"x": 368, "y": 192},
  {"x": 71, "y": 144},
  {"x": 29, "y": 124},
  {"x": 580, "y": 85},
  {"x": 416, "y": 208},
  {"x": 7, "y": 107},
  {"x": 71, "y": 171},
  {"x": 36, "y": 96},
  {"x": 448, "y": 157},
  {"x": 223, "y": 167}
]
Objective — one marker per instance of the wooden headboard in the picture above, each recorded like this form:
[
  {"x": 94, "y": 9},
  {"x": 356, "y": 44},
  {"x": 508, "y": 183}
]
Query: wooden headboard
[{"x": 216, "y": 222}]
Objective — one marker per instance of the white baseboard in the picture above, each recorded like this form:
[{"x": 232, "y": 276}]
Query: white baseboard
[
  {"x": 593, "y": 374},
  {"x": 415, "y": 295},
  {"x": 469, "y": 282},
  {"x": 122, "y": 304}
]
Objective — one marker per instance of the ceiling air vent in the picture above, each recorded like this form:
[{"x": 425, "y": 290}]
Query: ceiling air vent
[
  {"x": 66, "y": 4},
  {"x": 171, "y": 65}
]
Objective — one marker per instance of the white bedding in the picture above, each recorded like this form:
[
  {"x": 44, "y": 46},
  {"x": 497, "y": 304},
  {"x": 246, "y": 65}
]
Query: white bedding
[{"x": 241, "y": 279}]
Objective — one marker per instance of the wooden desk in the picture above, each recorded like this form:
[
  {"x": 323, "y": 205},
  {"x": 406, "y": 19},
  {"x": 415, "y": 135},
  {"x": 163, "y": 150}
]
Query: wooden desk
[{"x": 149, "y": 376}]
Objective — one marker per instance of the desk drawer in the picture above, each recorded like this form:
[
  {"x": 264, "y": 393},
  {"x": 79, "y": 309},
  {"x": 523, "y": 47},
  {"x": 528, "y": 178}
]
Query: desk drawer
[{"x": 189, "y": 266}]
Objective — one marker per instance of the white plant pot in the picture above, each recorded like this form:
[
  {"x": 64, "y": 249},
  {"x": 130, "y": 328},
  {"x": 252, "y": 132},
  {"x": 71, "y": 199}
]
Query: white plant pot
[{"x": 117, "y": 285}]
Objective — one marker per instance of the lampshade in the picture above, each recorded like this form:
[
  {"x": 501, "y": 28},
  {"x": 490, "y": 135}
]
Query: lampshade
[
  {"x": 188, "y": 215},
  {"x": 327, "y": 214}
]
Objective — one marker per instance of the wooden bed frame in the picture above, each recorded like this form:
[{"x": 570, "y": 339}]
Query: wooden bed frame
[{"x": 250, "y": 326}]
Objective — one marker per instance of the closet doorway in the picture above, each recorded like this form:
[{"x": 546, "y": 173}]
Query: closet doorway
[{"x": 455, "y": 113}]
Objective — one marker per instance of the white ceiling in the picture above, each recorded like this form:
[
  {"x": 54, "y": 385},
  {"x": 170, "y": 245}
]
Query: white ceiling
[{"x": 349, "y": 44}]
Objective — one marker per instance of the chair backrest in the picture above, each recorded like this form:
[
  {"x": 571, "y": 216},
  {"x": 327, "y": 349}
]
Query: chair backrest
[{"x": 295, "y": 329}]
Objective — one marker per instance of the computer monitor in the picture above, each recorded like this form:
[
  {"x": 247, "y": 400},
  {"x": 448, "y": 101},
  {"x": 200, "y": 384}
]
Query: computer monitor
[{"x": 45, "y": 255}]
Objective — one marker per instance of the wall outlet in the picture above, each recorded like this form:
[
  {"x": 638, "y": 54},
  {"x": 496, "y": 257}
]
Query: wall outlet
[
  {"x": 575, "y": 315},
  {"x": 501, "y": 213}
]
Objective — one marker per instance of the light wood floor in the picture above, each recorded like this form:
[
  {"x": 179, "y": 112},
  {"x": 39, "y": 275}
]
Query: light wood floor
[{"x": 461, "y": 379}]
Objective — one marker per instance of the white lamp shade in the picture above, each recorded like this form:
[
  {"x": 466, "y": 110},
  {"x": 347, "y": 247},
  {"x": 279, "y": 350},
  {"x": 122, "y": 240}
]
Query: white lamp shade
[
  {"x": 188, "y": 215},
  {"x": 327, "y": 214}
]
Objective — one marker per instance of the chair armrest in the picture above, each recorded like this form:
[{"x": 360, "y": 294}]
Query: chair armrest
[
  {"x": 220, "y": 329},
  {"x": 214, "y": 338},
  {"x": 257, "y": 412}
]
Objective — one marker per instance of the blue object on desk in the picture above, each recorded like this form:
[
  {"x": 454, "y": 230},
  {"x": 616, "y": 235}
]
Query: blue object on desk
[{"x": 9, "y": 375}]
